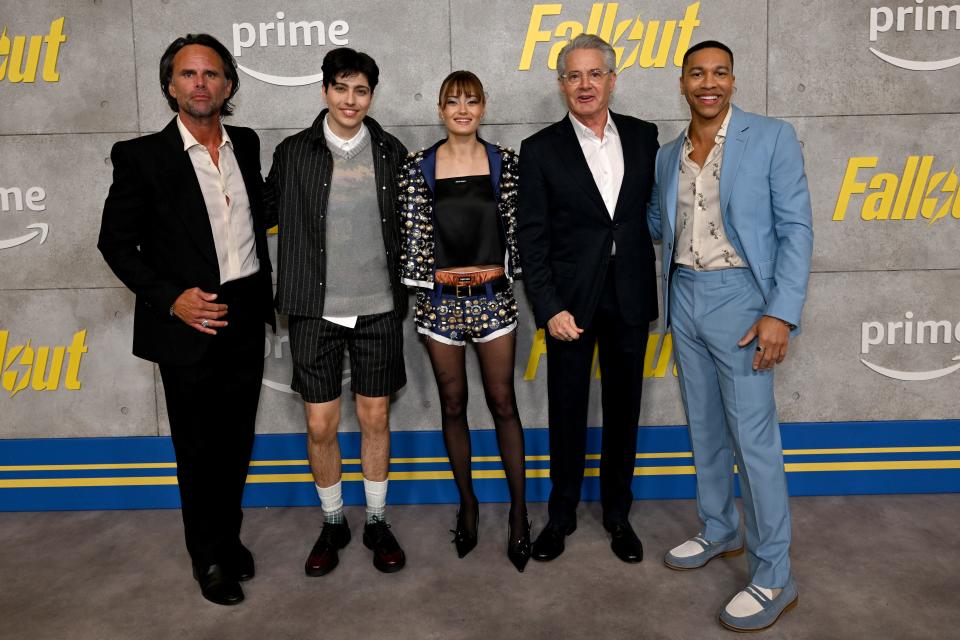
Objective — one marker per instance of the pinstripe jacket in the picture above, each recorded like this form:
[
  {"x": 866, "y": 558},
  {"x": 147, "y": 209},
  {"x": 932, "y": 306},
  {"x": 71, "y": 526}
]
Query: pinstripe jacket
[
  {"x": 296, "y": 195},
  {"x": 416, "y": 186}
]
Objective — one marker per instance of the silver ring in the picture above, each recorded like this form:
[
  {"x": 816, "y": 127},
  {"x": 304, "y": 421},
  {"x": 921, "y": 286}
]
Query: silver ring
[
  {"x": 205, "y": 324},
  {"x": 760, "y": 348}
]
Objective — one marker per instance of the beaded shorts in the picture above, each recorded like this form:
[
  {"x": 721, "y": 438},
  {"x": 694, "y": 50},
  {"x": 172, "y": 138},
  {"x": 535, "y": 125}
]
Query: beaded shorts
[{"x": 450, "y": 319}]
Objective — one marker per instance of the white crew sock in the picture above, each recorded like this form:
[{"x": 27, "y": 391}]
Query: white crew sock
[
  {"x": 376, "y": 493},
  {"x": 331, "y": 502},
  {"x": 744, "y": 604}
]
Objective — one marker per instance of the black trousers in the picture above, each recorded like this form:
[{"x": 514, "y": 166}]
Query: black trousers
[
  {"x": 621, "y": 350},
  {"x": 212, "y": 406}
]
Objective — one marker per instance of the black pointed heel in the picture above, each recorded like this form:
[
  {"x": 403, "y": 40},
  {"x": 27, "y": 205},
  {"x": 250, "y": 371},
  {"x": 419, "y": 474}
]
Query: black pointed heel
[
  {"x": 518, "y": 550},
  {"x": 463, "y": 539}
]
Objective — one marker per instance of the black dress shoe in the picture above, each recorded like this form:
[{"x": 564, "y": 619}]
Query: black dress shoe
[
  {"x": 324, "y": 557},
  {"x": 387, "y": 554},
  {"x": 241, "y": 564},
  {"x": 463, "y": 539},
  {"x": 550, "y": 542},
  {"x": 217, "y": 585},
  {"x": 518, "y": 548},
  {"x": 624, "y": 542}
]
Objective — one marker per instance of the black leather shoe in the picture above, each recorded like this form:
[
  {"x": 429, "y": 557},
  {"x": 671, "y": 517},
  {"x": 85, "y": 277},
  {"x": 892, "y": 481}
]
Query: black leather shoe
[
  {"x": 217, "y": 586},
  {"x": 463, "y": 538},
  {"x": 518, "y": 548},
  {"x": 550, "y": 542},
  {"x": 241, "y": 564},
  {"x": 624, "y": 542},
  {"x": 387, "y": 554},
  {"x": 324, "y": 556}
]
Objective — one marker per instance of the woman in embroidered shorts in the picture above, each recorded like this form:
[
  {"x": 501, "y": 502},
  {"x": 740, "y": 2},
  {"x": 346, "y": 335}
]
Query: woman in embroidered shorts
[{"x": 458, "y": 217}]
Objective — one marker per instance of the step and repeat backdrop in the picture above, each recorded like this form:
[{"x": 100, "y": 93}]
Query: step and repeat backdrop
[{"x": 872, "y": 87}]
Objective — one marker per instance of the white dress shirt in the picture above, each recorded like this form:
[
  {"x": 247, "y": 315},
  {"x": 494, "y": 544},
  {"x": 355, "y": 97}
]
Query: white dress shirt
[
  {"x": 604, "y": 157},
  {"x": 228, "y": 207},
  {"x": 346, "y": 146}
]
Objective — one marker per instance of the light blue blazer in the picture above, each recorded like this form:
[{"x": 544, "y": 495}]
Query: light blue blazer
[{"x": 765, "y": 206}]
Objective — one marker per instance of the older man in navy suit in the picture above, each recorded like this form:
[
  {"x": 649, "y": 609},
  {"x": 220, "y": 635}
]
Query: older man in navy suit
[{"x": 589, "y": 270}]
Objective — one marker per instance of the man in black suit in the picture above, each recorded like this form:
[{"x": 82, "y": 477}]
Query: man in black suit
[
  {"x": 183, "y": 228},
  {"x": 589, "y": 270}
]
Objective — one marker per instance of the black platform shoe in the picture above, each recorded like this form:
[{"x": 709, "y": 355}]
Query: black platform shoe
[
  {"x": 518, "y": 549},
  {"x": 463, "y": 539}
]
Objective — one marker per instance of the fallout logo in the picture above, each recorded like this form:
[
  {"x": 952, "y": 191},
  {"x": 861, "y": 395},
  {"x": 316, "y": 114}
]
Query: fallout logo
[
  {"x": 40, "y": 367},
  {"x": 636, "y": 42}
]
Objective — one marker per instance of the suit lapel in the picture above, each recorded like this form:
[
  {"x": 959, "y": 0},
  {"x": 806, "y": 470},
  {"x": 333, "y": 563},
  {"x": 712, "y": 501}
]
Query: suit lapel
[
  {"x": 632, "y": 161},
  {"x": 669, "y": 202},
  {"x": 738, "y": 132},
  {"x": 185, "y": 188},
  {"x": 570, "y": 155}
]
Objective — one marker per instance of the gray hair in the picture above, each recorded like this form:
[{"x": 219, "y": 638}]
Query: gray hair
[{"x": 587, "y": 41}]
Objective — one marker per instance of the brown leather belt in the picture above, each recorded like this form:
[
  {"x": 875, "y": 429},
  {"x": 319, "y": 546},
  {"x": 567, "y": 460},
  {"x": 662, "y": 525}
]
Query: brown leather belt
[
  {"x": 468, "y": 278},
  {"x": 472, "y": 290}
]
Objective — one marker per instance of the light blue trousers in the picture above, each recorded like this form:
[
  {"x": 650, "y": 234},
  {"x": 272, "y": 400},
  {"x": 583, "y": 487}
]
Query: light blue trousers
[{"x": 732, "y": 416}]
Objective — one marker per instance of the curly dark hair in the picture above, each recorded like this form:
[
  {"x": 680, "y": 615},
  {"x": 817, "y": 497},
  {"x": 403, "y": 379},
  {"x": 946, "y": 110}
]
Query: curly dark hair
[{"x": 206, "y": 40}]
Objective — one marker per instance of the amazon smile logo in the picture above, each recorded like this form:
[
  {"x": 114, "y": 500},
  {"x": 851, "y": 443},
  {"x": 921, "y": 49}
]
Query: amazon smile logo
[
  {"x": 278, "y": 363},
  {"x": 910, "y": 332},
  {"x": 915, "y": 18},
  {"x": 286, "y": 34},
  {"x": 15, "y": 201}
]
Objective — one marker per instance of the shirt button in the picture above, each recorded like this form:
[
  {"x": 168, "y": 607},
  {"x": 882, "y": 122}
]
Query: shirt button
[
  {"x": 383, "y": 219},
  {"x": 324, "y": 184},
  {"x": 384, "y": 187}
]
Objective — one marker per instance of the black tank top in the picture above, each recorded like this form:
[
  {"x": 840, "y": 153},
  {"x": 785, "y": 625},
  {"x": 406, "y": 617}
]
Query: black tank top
[{"x": 467, "y": 226}]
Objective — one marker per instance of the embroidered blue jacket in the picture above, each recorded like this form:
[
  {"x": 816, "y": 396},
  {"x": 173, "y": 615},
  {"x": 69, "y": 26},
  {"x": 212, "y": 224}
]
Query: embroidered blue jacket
[{"x": 416, "y": 184}]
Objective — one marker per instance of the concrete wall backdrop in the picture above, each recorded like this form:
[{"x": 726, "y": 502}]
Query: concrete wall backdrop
[{"x": 872, "y": 87}]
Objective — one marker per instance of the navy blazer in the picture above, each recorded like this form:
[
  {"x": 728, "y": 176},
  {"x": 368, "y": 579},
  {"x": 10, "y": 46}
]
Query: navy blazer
[{"x": 566, "y": 233}]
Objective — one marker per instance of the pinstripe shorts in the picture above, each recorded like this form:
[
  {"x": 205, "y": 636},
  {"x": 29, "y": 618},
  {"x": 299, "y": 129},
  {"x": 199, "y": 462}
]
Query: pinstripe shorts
[{"x": 376, "y": 356}]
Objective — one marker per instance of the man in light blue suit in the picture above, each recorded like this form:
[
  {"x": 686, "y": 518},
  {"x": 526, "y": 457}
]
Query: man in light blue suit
[{"x": 732, "y": 209}]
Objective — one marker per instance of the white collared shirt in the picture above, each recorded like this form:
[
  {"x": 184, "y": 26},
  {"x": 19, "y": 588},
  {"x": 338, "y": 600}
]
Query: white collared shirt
[
  {"x": 604, "y": 157},
  {"x": 346, "y": 146},
  {"x": 228, "y": 207},
  {"x": 701, "y": 241}
]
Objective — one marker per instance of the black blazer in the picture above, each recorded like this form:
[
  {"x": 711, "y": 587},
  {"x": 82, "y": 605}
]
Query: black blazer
[
  {"x": 566, "y": 234},
  {"x": 156, "y": 236},
  {"x": 297, "y": 191}
]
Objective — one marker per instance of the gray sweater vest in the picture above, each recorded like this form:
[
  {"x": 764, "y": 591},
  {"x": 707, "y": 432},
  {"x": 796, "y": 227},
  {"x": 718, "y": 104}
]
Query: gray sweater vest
[{"x": 358, "y": 282}]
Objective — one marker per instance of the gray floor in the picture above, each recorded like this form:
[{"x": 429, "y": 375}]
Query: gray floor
[{"x": 867, "y": 567}]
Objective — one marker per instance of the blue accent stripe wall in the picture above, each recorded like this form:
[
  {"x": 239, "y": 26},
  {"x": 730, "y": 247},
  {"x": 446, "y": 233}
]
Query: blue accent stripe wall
[{"x": 140, "y": 472}]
